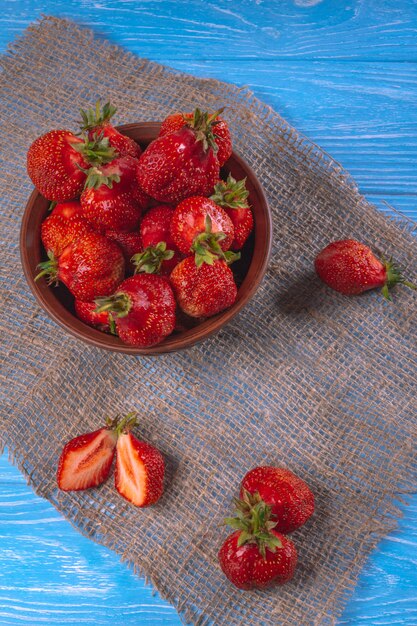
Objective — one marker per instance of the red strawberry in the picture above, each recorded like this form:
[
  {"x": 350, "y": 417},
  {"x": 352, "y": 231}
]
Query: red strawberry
[
  {"x": 91, "y": 266},
  {"x": 232, "y": 195},
  {"x": 221, "y": 132},
  {"x": 351, "y": 268},
  {"x": 112, "y": 199},
  {"x": 140, "y": 468},
  {"x": 143, "y": 309},
  {"x": 191, "y": 228},
  {"x": 205, "y": 290},
  {"x": 180, "y": 164},
  {"x": 130, "y": 243},
  {"x": 97, "y": 123},
  {"x": 256, "y": 555},
  {"x": 290, "y": 499},
  {"x": 67, "y": 209},
  {"x": 86, "y": 460},
  {"x": 58, "y": 232},
  {"x": 56, "y": 163},
  {"x": 86, "y": 312},
  {"x": 155, "y": 230}
]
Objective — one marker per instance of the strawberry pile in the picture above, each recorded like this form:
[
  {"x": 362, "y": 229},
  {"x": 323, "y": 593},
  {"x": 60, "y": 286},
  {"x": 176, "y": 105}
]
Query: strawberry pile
[{"x": 144, "y": 241}]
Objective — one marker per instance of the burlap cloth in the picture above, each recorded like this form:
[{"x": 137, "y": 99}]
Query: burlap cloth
[{"x": 303, "y": 377}]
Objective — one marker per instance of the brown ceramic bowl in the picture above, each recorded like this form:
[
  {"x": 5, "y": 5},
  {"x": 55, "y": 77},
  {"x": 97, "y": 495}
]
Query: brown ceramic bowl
[{"x": 58, "y": 302}]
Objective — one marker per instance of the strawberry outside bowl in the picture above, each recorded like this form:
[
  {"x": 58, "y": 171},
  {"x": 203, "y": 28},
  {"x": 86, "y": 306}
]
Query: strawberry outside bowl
[{"x": 249, "y": 270}]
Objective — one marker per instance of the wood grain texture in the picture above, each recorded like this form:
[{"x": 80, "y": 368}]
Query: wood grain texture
[{"x": 345, "y": 75}]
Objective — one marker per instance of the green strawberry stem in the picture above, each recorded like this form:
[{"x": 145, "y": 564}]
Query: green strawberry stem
[
  {"x": 96, "y": 178},
  {"x": 49, "y": 269},
  {"x": 120, "y": 424},
  {"x": 119, "y": 304},
  {"x": 96, "y": 116},
  {"x": 203, "y": 124},
  {"x": 150, "y": 260},
  {"x": 231, "y": 193},
  {"x": 253, "y": 519},
  {"x": 96, "y": 151},
  {"x": 394, "y": 277},
  {"x": 207, "y": 248}
]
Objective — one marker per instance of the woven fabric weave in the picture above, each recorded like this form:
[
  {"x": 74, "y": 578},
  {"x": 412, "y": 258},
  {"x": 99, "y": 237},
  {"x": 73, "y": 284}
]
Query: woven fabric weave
[{"x": 302, "y": 377}]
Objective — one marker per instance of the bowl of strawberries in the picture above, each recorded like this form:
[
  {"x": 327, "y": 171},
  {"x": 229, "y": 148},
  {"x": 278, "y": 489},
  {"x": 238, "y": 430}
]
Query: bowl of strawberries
[{"x": 143, "y": 238}]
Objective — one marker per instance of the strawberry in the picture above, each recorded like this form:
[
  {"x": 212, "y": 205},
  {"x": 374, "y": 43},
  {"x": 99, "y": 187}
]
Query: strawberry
[
  {"x": 130, "y": 243},
  {"x": 351, "y": 268},
  {"x": 160, "y": 252},
  {"x": 203, "y": 290},
  {"x": 197, "y": 222},
  {"x": 256, "y": 554},
  {"x": 181, "y": 164},
  {"x": 221, "y": 132},
  {"x": 289, "y": 497},
  {"x": 67, "y": 209},
  {"x": 86, "y": 312},
  {"x": 232, "y": 196},
  {"x": 143, "y": 309},
  {"x": 57, "y": 163},
  {"x": 86, "y": 460},
  {"x": 112, "y": 198},
  {"x": 97, "y": 123},
  {"x": 90, "y": 266},
  {"x": 57, "y": 232},
  {"x": 140, "y": 468}
]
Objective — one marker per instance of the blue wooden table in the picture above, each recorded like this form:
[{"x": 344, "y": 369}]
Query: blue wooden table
[{"x": 344, "y": 73}]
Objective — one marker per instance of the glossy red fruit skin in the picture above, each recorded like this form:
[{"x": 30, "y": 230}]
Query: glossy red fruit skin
[
  {"x": 58, "y": 232},
  {"x": 85, "y": 311},
  {"x": 106, "y": 447},
  {"x": 203, "y": 291},
  {"x": 130, "y": 244},
  {"x": 350, "y": 267},
  {"x": 124, "y": 146},
  {"x": 176, "y": 166},
  {"x": 91, "y": 266},
  {"x": 242, "y": 220},
  {"x": 119, "y": 207},
  {"x": 54, "y": 165},
  {"x": 189, "y": 220},
  {"x": 245, "y": 567},
  {"x": 223, "y": 139},
  {"x": 67, "y": 209},
  {"x": 151, "y": 317},
  {"x": 290, "y": 498},
  {"x": 153, "y": 462},
  {"x": 154, "y": 228}
]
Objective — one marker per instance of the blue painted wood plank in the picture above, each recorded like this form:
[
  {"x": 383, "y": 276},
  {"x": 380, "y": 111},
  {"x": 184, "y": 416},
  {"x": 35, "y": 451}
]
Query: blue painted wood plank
[
  {"x": 251, "y": 29},
  {"x": 342, "y": 73}
]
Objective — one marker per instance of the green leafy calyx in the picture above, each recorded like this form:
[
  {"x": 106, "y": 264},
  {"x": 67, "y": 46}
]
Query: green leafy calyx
[
  {"x": 49, "y": 269},
  {"x": 96, "y": 116},
  {"x": 231, "y": 193},
  {"x": 207, "y": 249},
  {"x": 394, "y": 277},
  {"x": 96, "y": 178},
  {"x": 203, "y": 125},
  {"x": 254, "y": 521},
  {"x": 97, "y": 150},
  {"x": 150, "y": 260},
  {"x": 119, "y": 304}
]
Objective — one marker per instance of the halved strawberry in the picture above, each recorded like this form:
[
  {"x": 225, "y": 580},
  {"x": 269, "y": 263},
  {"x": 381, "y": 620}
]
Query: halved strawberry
[
  {"x": 86, "y": 460},
  {"x": 140, "y": 468}
]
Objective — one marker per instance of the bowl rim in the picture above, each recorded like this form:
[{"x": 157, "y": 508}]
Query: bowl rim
[{"x": 175, "y": 342}]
